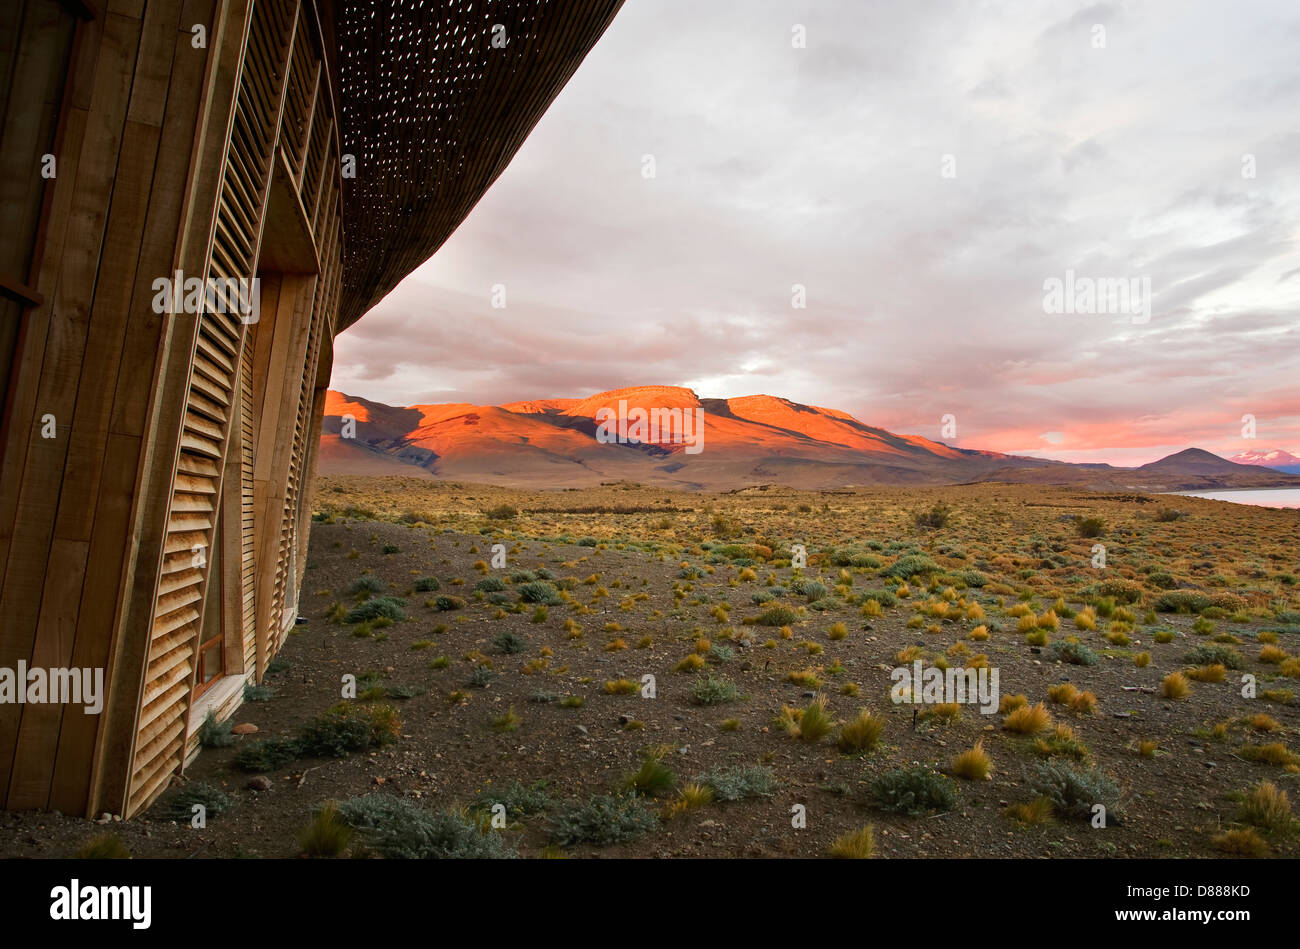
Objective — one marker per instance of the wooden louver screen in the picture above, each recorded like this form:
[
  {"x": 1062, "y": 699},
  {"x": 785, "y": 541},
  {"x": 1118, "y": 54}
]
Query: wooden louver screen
[{"x": 209, "y": 407}]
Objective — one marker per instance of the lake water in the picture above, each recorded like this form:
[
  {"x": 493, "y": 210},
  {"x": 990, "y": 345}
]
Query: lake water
[{"x": 1262, "y": 497}]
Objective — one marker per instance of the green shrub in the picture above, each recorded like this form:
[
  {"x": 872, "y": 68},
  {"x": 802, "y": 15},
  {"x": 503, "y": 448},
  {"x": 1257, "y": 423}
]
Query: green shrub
[
  {"x": 265, "y": 754},
  {"x": 1208, "y": 655},
  {"x": 936, "y": 516},
  {"x": 348, "y": 727},
  {"x": 258, "y": 693},
  {"x": 509, "y": 643},
  {"x": 1089, "y": 526},
  {"x": 1123, "y": 591},
  {"x": 713, "y": 691},
  {"x": 179, "y": 804},
  {"x": 601, "y": 820},
  {"x": 519, "y": 799},
  {"x": 365, "y": 586},
  {"x": 399, "y": 830},
  {"x": 1075, "y": 791},
  {"x": 914, "y": 791},
  {"x": 378, "y": 607},
  {"x": 490, "y": 585},
  {"x": 446, "y": 603},
  {"x": 1181, "y": 601},
  {"x": 215, "y": 734},
  {"x": 539, "y": 591},
  {"x": 910, "y": 565},
  {"x": 739, "y": 782},
  {"x": 1076, "y": 654},
  {"x": 427, "y": 585}
]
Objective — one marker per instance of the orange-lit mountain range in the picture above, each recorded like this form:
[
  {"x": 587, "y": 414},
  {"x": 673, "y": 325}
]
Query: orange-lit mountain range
[{"x": 757, "y": 439}]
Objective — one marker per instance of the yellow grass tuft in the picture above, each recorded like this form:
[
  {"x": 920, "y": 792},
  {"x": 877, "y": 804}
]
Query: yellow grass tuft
[
  {"x": 1009, "y": 703},
  {"x": 855, "y": 845},
  {"x": 974, "y": 764},
  {"x": 1175, "y": 686},
  {"x": 1037, "y": 811},
  {"x": 861, "y": 734},
  {"x": 1028, "y": 719},
  {"x": 1241, "y": 843}
]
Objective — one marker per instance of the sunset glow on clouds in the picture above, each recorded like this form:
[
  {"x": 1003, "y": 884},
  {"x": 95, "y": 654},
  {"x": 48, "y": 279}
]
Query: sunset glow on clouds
[{"x": 821, "y": 166}]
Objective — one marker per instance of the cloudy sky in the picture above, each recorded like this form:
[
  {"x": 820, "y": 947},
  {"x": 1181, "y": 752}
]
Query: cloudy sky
[{"x": 922, "y": 168}]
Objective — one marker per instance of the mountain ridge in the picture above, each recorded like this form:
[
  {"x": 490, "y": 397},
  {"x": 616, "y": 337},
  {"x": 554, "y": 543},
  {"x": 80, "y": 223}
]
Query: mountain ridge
[{"x": 742, "y": 441}]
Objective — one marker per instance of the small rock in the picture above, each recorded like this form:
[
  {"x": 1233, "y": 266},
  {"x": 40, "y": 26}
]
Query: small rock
[
  {"x": 580, "y": 729},
  {"x": 244, "y": 728}
]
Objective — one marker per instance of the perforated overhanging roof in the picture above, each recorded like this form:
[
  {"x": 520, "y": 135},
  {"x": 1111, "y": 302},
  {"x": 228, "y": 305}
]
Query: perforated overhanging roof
[{"x": 433, "y": 112}]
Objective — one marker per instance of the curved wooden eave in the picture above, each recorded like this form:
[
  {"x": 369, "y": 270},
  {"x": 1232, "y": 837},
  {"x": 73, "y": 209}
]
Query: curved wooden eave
[{"x": 434, "y": 113}]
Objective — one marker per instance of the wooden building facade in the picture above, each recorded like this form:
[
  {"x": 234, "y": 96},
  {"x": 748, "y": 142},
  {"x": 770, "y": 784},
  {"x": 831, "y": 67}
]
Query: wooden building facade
[{"x": 293, "y": 160}]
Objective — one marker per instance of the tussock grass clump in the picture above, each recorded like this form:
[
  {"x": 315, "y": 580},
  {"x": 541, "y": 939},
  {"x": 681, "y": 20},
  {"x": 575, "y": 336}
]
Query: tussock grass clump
[
  {"x": 1036, "y": 811},
  {"x": 620, "y": 687},
  {"x": 692, "y": 663},
  {"x": 974, "y": 764},
  {"x": 739, "y": 782},
  {"x": 1211, "y": 673},
  {"x": 856, "y": 845},
  {"x": 328, "y": 835},
  {"x": 777, "y": 616},
  {"x": 602, "y": 819},
  {"x": 1063, "y": 693},
  {"x": 1175, "y": 686},
  {"x": 1275, "y": 753},
  {"x": 1061, "y": 743},
  {"x": 811, "y": 724},
  {"x": 1243, "y": 842},
  {"x": 652, "y": 779},
  {"x": 103, "y": 847},
  {"x": 1028, "y": 719},
  {"x": 942, "y": 711},
  {"x": 1009, "y": 703},
  {"x": 807, "y": 678},
  {"x": 1273, "y": 655},
  {"x": 914, "y": 791},
  {"x": 1147, "y": 748},
  {"x": 860, "y": 735},
  {"x": 1267, "y": 808}
]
